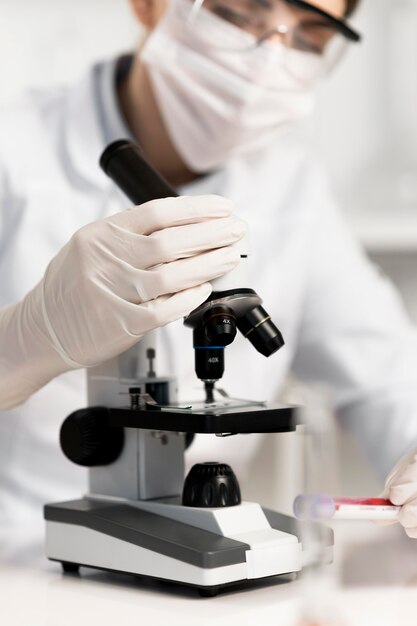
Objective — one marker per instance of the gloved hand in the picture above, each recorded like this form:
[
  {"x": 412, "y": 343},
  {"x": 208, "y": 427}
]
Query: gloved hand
[
  {"x": 115, "y": 280},
  {"x": 401, "y": 489}
]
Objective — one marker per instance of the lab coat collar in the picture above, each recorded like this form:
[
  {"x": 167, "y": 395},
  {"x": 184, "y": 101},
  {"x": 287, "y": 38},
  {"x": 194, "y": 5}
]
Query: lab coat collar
[
  {"x": 108, "y": 77},
  {"x": 93, "y": 120}
]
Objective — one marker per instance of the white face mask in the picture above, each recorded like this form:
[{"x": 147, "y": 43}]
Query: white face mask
[{"x": 216, "y": 103}]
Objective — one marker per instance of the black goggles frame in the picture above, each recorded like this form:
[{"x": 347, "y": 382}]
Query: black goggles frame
[{"x": 341, "y": 25}]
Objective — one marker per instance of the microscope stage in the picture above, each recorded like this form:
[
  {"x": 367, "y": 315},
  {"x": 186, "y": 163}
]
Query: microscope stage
[{"x": 230, "y": 417}]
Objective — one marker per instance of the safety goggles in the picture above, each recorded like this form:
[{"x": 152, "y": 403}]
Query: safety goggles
[{"x": 299, "y": 27}]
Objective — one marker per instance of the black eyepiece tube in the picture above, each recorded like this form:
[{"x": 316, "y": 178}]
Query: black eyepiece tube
[{"x": 124, "y": 162}]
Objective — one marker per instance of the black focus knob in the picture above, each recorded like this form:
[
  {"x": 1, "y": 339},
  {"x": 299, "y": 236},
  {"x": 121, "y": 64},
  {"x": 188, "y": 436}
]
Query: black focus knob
[
  {"x": 87, "y": 438},
  {"x": 220, "y": 326},
  {"x": 211, "y": 485}
]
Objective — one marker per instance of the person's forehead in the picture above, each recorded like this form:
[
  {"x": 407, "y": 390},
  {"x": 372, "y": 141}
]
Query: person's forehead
[{"x": 334, "y": 7}]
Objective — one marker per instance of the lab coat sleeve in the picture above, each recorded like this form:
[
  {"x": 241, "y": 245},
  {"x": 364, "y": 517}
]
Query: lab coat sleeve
[
  {"x": 27, "y": 362},
  {"x": 356, "y": 338}
]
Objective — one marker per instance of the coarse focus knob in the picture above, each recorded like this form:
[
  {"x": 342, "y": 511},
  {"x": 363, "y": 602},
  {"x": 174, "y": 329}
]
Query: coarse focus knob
[
  {"x": 211, "y": 485},
  {"x": 87, "y": 438}
]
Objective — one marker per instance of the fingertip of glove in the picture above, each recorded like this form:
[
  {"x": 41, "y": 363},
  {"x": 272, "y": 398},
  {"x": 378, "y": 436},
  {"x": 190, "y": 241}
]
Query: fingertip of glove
[
  {"x": 182, "y": 303},
  {"x": 400, "y": 494},
  {"x": 408, "y": 516},
  {"x": 203, "y": 290},
  {"x": 230, "y": 256},
  {"x": 238, "y": 229},
  {"x": 411, "y": 532}
]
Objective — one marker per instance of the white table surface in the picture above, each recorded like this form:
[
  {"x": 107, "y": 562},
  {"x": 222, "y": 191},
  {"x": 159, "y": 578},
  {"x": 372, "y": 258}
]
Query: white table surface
[{"x": 376, "y": 585}]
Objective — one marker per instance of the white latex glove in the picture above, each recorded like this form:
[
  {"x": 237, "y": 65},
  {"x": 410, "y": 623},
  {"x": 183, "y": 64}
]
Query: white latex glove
[
  {"x": 401, "y": 489},
  {"x": 115, "y": 280}
]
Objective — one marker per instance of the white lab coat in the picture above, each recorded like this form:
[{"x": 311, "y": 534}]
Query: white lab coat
[{"x": 342, "y": 321}]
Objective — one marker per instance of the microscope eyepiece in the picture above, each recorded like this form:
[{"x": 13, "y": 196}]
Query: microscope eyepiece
[
  {"x": 124, "y": 162},
  {"x": 257, "y": 326}
]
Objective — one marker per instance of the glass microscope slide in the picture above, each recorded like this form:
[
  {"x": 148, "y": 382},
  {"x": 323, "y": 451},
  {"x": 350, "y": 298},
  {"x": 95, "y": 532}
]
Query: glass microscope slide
[{"x": 317, "y": 506}]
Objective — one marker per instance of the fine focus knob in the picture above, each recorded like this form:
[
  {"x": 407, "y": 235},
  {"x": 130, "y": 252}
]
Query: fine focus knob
[
  {"x": 87, "y": 439},
  {"x": 211, "y": 485}
]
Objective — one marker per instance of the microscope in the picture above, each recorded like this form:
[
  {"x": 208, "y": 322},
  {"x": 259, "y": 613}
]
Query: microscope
[{"x": 140, "y": 516}]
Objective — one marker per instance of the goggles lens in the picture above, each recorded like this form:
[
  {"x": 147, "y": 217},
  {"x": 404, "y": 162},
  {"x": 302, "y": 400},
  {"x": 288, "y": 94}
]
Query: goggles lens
[{"x": 298, "y": 26}]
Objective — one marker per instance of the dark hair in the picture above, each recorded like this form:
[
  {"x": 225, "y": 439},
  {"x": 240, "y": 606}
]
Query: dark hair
[{"x": 351, "y": 6}]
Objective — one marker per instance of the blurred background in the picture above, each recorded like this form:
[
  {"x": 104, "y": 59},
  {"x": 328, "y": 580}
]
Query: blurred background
[{"x": 365, "y": 130}]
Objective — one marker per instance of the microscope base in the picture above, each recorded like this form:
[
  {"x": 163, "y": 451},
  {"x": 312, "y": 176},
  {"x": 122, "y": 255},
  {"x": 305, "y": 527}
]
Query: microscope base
[{"x": 122, "y": 538}]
